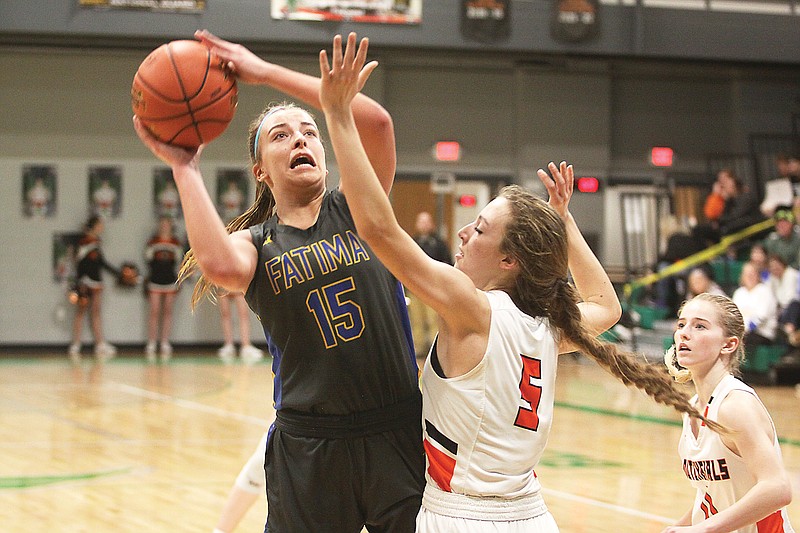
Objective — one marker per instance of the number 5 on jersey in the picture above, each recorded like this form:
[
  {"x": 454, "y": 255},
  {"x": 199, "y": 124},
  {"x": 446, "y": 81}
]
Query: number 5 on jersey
[{"x": 528, "y": 418}]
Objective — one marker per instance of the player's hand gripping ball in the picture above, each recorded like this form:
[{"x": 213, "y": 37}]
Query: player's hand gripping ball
[{"x": 184, "y": 94}]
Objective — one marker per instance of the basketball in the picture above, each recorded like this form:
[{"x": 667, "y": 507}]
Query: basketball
[{"x": 183, "y": 94}]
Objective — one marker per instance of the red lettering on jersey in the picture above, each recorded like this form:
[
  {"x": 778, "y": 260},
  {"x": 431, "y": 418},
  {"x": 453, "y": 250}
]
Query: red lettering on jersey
[
  {"x": 528, "y": 418},
  {"x": 708, "y": 506},
  {"x": 440, "y": 465}
]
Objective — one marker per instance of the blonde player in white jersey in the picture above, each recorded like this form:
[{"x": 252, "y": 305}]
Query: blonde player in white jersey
[
  {"x": 506, "y": 310},
  {"x": 738, "y": 473}
]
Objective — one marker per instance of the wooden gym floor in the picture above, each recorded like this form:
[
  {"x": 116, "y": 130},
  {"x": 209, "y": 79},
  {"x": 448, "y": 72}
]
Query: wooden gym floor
[{"x": 129, "y": 447}]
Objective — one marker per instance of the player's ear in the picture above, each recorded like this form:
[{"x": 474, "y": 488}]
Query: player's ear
[
  {"x": 260, "y": 174},
  {"x": 730, "y": 346},
  {"x": 509, "y": 263}
]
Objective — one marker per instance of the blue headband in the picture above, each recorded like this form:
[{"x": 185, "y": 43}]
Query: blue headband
[{"x": 258, "y": 131}]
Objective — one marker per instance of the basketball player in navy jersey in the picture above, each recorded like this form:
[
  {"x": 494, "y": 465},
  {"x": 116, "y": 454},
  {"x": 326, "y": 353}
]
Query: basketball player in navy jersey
[{"x": 345, "y": 450}]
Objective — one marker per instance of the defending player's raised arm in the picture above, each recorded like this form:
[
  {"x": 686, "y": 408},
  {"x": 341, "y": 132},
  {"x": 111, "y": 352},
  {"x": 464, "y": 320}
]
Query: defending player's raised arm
[
  {"x": 373, "y": 122},
  {"x": 228, "y": 261},
  {"x": 440, "y": 286},
  {"x": 600, "y": 308}
]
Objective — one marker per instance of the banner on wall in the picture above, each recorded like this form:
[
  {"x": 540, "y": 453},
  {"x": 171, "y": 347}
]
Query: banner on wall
[
  {"x": 105, "y": 191},
  {"x": 233, "y": 189},
  {"x": 189, "y": 6},
  {"x": 166, "y": 201},
  {"x": 486, "y": 21},
  {"x": 574, "y": 20},
  {"x": 65, "y": 250},
  {"x": 375, "y": 11},
  {"x": 39, "y": 186}
]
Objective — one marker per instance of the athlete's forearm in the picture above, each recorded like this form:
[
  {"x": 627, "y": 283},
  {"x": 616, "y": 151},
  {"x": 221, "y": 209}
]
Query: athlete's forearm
[
  {"x": 763, "y": 499},
  {"x": 591, "y": 281},
  {"x": 214, "y": 249}
]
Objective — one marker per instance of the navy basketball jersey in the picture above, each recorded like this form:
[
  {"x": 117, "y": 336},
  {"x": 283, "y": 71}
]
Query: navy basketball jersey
[{"x": 335, "y": 319}]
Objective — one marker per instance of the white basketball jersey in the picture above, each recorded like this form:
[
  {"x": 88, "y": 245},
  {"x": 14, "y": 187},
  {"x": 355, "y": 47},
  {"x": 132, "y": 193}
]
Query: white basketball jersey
[
  {"x": 719, "y": 475},
  {"x": 485, "y": 431}
]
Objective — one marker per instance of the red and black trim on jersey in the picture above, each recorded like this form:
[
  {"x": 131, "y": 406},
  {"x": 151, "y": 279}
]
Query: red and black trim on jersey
[{"x": 441, "y": 452}]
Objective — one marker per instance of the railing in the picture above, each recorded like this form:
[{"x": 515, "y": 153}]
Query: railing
[{"x": 699, "y": 258}]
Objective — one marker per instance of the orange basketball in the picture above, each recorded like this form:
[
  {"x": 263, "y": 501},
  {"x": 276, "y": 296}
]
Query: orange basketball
[{"x": 184, "y": 94}]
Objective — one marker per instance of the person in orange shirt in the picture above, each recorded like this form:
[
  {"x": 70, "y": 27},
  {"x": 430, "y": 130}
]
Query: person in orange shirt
[{"x": 715, "y": 202}]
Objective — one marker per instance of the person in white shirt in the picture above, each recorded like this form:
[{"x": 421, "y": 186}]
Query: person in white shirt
[
  {"x": 758, "y": 306},
  {"x": 785, "y": 284},
  {"x": 782, "y": 281}
]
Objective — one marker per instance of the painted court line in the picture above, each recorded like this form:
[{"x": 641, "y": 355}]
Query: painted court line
[
  {"x": 187, "y": 404},
  {"x": 646, "y": 418},
  {"x": 245, "y": 418},
  {"x": 609, "y": 506}
]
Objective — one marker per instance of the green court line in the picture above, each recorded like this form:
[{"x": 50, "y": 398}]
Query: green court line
[
  {"x": 24, "y": 482},
  {"x": 645, "y": 418},
  {"x": 557, "y": 459}
]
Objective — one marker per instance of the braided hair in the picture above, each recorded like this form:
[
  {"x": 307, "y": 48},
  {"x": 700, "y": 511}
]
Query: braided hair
[{"x": 537, "y": 237}]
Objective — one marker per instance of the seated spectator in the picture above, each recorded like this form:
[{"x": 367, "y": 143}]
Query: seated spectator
[
  {"x": 715, "y": 201},
  {"x": 758, "y": 256},
  {"x": 700, "y": 280},
  {"x": 784, "y": 281},
  {"x": 759, "y": 309},
  {"x": 741, "y": 205},
  {"x": 670, "y": 290},
  {"x": 778, "y": 189},
  {"x": 740, "y": 208},
  {"x": 794, "y": 178},
  {"x": 785, "y": 239}
]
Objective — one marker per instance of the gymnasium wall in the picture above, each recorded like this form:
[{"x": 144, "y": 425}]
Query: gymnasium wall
[
  {"x": 750, "y": 30},
  {"x": 69, "y": 106}
]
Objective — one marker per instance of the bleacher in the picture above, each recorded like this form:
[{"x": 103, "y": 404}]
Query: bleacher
[{"x": 649, "y": 330}]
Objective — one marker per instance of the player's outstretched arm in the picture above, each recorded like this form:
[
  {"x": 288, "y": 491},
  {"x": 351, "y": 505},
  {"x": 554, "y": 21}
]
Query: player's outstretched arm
[
  {"x": 228, "y": 261},
  {"x": 447, "y": 290},
  {"x": 600, "y": 308}
]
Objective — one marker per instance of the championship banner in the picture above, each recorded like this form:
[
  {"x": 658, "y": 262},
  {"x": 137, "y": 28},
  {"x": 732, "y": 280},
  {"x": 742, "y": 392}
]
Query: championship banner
[
  {"x": 486, "y": 21},
  {"x": 375, "y": 11},
  {"x": 187, "y": 6},
  {"x": 574, "y": 20}
]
